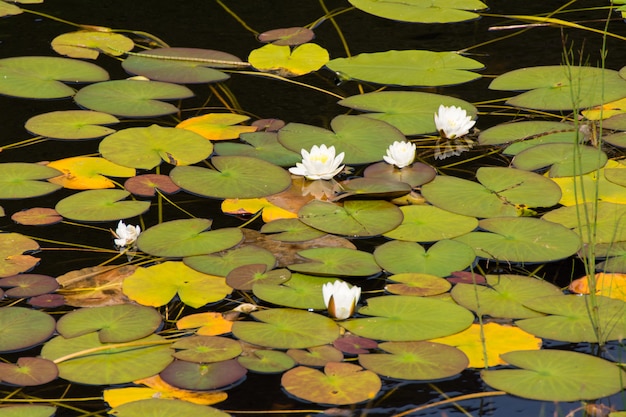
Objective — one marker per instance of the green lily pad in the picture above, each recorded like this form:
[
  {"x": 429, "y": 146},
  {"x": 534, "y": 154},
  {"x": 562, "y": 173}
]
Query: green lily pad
[
  {"x": 556, "y": 375},
  {"x": 437, "y": 11},
  {"x": 21, "y": 180},
  {"x": 415, "y": 284},
  {"x": 262, "y": 145},
  {"x": 522, "y": 239},
  {"x": 132, "y": 98},
  {"x": 316, "y": 356},
  {"x": 41, "y": 76},
  {"x": 28, "y": 410},
  {"x": 601, "y": 221},
  {"x": 354, "y": 218},
  {"x": 21, "y": 328},
  {"x": 441, "y": 259},
  {"x": 574, "y": 318},
  {"x": 71, "y": 124},
  {"x": 284, "y": 328},
  {"x": 186, "y": 237},
  {"x": 373, "y": 187},
  {"x": 504, "y": 297},
  {"x": 415, "y": 360},
  {"x": 12, "y": 260},
  {"x": 233, "y": 177},
  {"x": 300, "y": 291},
  {"x": 246, "y": 276},
  {"x": 203, "y": 349},
  {"x": 415, "y": 174},
  {"x": 522, "y": 131},
  {"x": 362, "y": 140},
  {"x": 147, "y": 147},
  {"x": 291, "y": 230},
  {"x": 564, "y": 159},
  {"x": 408, "y": 68},
  {"x": 223, "y": 263},
  {"x": 336, "y": 262},
  {"x": 423, "y": 223},
  {"x": 156, "y": 407},
  {"x": 28, "y": 372},
  {"x": 412, "y": 112},
  {"x": 340, "y": 383},
  {"x": 402, "y": 318},
  {"x": 179, "y": 65},
  {"x": 267, "y": 361},
  {"x": 114, "y": 324},
  {"x": 107, "y": 363},
  {"x": 499, "y": 192},
  {"x": 100, "y": 206},
  {"x": 561, "y": 87},
  {"x": 89, "y": 43}
]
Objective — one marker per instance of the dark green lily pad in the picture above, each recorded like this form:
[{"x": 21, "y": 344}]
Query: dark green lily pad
[
  {"x": 601, "y": 220},
  {"x": 353, "y": 218},
  {"x": 362, "y": 140},
  {"x": 424, "y": 223},
  {"x": 412, "y": 112},
  {"x": 100, "y": 206},
  {"x": 107, "y": 363},
  {"x": 147, "y": 147},
  {"x": 522, "y": 131},
  {"x": 402, "y": 318},
  {"x": 233, "y": 177},
  {"x": 28, "y": 410},
  {"x": 223, "y": 263},
  {"x": 415, "y": 174},
  {"x": 28, "y": 285},
  {"x": 41, "y": 76},
  {"x": 336, "y": 262},
  {"x": 415, "y": 360},
  {"x": 341, "y": 383},
  {"x": 561, "y": 87},
  {"x": 291, "y": 230},
  {"x": 203, "y": 376},
  {"x": 156, "y": 407},
  {"x": 284, "y": 328},
  {"x": 266, "y": 361},
  {"x": 408, "y": 68},
  {"x": 71, "y": 124},
  {"x": 556, "y": 375},
  {"x": 114, "y": 324},
  {"x": 415, "y": 284},
  {"x": 28, "y": 372},
  {"x": 564, "y": 160},
  {"x": 522, "y": 239},
  {"x": 203, "y": 349},
  {"x": 301, "y": 291},
  {"x": 504, "y": 297},
  {"x": 175, "y": 68},
  {"x": 316, "y": 355},
  {"x": 574, "y": 318},
  {"x": 570, "y": 137},
  {"x": 262, "y": 145},
  {"x": 21, "y": 180},
  {"x": 132, "y": 98},
  {"x": 246, "y": 276},
  {"x": 21, "y": 328},
  {"x": 441, "y": 259},
  {"x": 187, "y": 237}
]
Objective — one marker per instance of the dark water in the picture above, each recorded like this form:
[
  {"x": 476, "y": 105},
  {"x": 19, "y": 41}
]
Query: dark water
[{"x": 203, "y": 24}]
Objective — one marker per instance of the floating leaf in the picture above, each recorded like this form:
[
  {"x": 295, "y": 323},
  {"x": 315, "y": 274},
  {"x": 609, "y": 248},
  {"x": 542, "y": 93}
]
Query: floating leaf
[
  {"x": 339, "y": 384},
  {"x": 266, "y": 361},
  {"x": 21, "y": 328},
  {"x": 437, "y": 11},
  {"x": 203, "y": 349},
  {"x": 300, "y": 291},
  {"x": 71, "y": 124},
  {"x": 100, "y": 206},
  {"x": 88, "y": 173},
  {"x": 415, "y": 174},
  {"x": 316, "y": 355},
  {"x": 608, "y": 285},
  {"x": 21, "y": 180},
  {"x": 223, "y": 263},
  {"x": 208, "y": 324},
  {"x": 217, "y": 126},
  {"x": 429, "y": 223},
  {"x": 416, "y": 284},
  {"x": 95, "y": 286},
  {"x": 408, "y": 68},
  {"x": 601, "y": 221},
  {"x": 146, "y": 185},
  {"x": 287, "y": 36},
  {"x": 28, "y": 372},
  {"x": 156, "y": 285},
  {"x": 291, "y": 230},
  {"x": 270, "y": 212},
  {"x": 336, "y": 262},
  {"x": 164, "y": 408},
  {"x": 12, "y": 260},
  {"x": 262, "y": 145},
  {"x": 594, "y": 186},
  {"x": 147, "y": 147},
  {"x": 401, "y": 318},
  {"x": 88, "y": 44},
  {"x": 246, "y": 276},
  {"x": 27, "y": 410},
  {"x": 564, "y": 159},
  {"x": 203, "y": 376},
  {"x": 556, "y": 375},
  {"x": 301, "y": 60},
  {"x": 415, "y": 360},
  {"x": 354, "y": 345},
  {"x": 28, "y": 285},
  {"x": 527, "y": 131}
]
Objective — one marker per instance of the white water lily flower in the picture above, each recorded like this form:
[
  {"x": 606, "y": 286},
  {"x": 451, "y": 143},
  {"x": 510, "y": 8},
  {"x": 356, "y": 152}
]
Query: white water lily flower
[
  {"x": 126, "y": 235},
  {"x": 319, "y": 164},
  {"x": 453, "y": 122},
  {"x": 400, "y": 154},
  {"x": 340, "y": 298}
]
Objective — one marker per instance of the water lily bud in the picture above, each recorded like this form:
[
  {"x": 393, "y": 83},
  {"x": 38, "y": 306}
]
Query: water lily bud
[{"x": 340, "y": 299}]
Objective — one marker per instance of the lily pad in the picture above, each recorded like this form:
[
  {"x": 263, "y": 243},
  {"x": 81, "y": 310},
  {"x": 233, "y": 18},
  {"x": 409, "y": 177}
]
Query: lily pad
[
  {"x": 362, "y": 140},
  {"x": 291, "y": 230},
  {"x": 203, "y": 349},
  {"x": 28, "y": 285},
  {"x": 281, "y": 59},
  {"x": 284, "y": 328},
  {"x": 601, "y": 185},
  {"x": 21, "y": 180},
  {"x": 300, "y": 291},
  {"x": 441, "y": 259},
  {"x": 71, "y": 124},
  {"x": 402, "y": 318},
  {"x": 88, "y": 173},
  {"x": 415, "y": 360},
  {"x": 424, "y": 223},
  {"x": 602, "y": 221},
  {"x": 132, "y": 98},
  {"x": 336, "y": 262},
  {"x": 217, "y": 126},
  {"x": 262, "y": 145},
  {"x": 246, "y": 276},
  {"x": 415, "y": 284},
  {"x": 316, "y": 355},
  {"x": 287, "y": 36},
  {"x": 415, "y": 174},
  {"x": 12, "y": 259},
  {"x": 556, "y": 375},
  {"x": 28, "y": 410},
  {"x": 564, "y": 159},
  {"x": 89, "y": 43},
  {"x": 37, "y": 216},
  {"x": 100, "y": 206},
  {"x": 233, "y": 177},
  {"x": 224, "y": 262},
  {"x": 147, "y": 147},
  {"x": 373, "y": 187},
  {"x": 266, "y": 361},
  {"x": 146, "y": 185},
  {"x": 437, "y": 11},
  {"x": 28, "y": 372},
  {"x": 523, "y": 131},
  {"x": 522, "y": 239},
  {"x": 21, "y": 328},
  {"x": 353, "y": 218},
  {"x": 156, "y": 407},
  {"x": 203, "y": 376},
  {"x": 187, "y": 237},
  {"x": 339, "y": 384},
  {"x": 41, "y": 76}
]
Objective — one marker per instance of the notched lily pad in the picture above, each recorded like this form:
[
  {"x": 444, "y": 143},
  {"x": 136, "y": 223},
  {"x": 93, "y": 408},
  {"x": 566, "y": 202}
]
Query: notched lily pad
[
  {"x": 37, "y": 216},
  {"x": 203, "y": 376},
  {"x": 146, "y": 185},
  {"x": 100, "y": 206},
  {"x": 21, "y": 328},
  {"x": 21, "y": 180},
  {"x": 336, "y": 262},
  {"x": 71, "y": 124},
  {"x": 28, "y": 285},
  {"x": 28, "y": 372},
  {"x": 204, "y": 349}
]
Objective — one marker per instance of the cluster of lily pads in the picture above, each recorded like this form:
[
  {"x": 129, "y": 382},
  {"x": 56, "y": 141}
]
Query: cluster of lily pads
[{"x": 288, "y": 294}]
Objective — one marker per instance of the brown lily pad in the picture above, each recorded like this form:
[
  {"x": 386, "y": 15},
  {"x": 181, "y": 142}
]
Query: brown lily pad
[
  {"x": 245, "y": 276},
  {"x": 28, "y": 372},
  {"x": 287, "y": 36},
  {"x": 146, "y": 185},
  {"x": 95, "y": 286},
  {"x": 37, "y": 216},
  {"x": 28, "y": 285}
]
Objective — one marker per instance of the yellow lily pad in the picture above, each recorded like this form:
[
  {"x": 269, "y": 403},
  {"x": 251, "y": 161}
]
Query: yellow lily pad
[
  {"x": 88, "y": 44},
  {"x": 305, "y": 58},
  {"x": 208, "y": 324},
  {"x": 608, "y": 285},
  {"x": 270, "y": 212},
  {"x": 88, "y": 173},
  {"x": 217, "y": 126}
]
